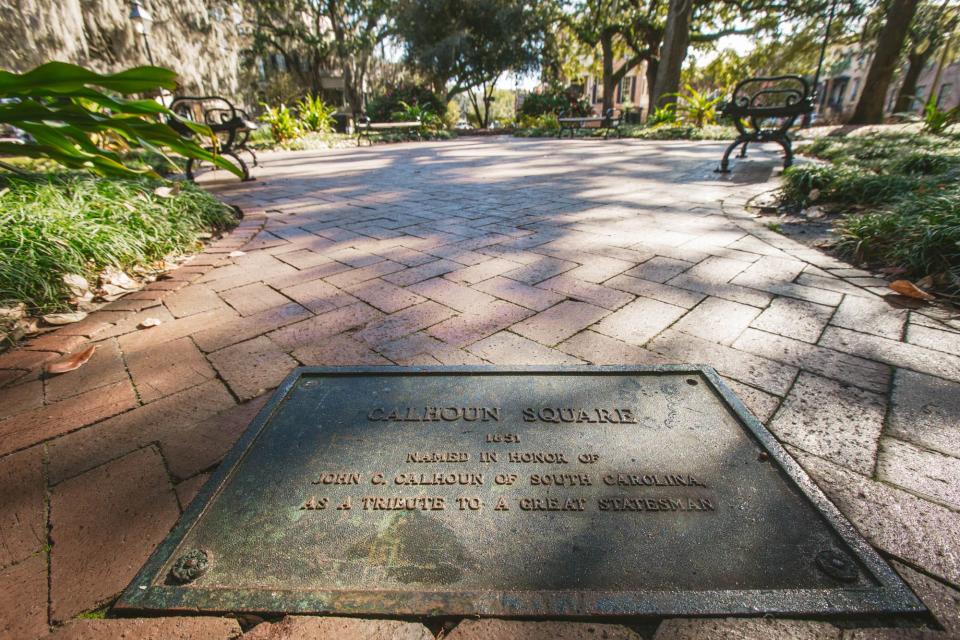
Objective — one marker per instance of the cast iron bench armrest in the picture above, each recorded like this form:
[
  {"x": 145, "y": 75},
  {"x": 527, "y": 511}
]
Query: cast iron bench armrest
[
  {"x": 756, "y": 101},
  {"x": 231, "y": 125}
]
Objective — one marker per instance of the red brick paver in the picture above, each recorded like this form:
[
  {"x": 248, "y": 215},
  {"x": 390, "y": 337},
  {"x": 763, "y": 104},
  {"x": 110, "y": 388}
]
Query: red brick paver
[{"x": 104, "y": 525}]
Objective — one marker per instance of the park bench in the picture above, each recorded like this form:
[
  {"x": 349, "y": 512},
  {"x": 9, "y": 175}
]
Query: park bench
[
  {"x": 609, "y": 122},
  {"x": 231, "y": 125},
  {"x": 366, "y": 128},
  {"x": 763, "y": 109}
]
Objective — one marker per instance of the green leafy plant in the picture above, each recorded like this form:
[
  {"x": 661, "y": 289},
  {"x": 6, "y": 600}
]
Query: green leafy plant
[
  {"x": 546, "y": 122},
  {"x": 667, "y": 114},
  {"x": 696, "y": 109},
  {"x": 81, "y": 119},
  {"x": 936, "y": 121},
  {"x": 429, "y": 121},
  {"x": 283, "y": 124},
  {"x": 316, "y": 115},
  {"x": 553, "y": 102},
  {"x": 382, "y": 106}
]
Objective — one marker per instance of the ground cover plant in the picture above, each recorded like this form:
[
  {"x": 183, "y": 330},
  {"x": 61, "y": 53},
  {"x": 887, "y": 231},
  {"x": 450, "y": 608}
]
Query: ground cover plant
[
  {"x": 53, "y": 225},
  {"x": 898, "y": 196}
]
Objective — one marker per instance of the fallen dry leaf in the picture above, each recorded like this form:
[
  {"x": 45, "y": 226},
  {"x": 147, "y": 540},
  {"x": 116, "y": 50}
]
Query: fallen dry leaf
[
  {"x": 118, "y": 278},
  {"x": 77, "y": 284},
  {"x": 237, "y": 254},
  {"x": 166, "y": 192},
  {"x": 72, "y": 361},
  {"x": 925, "y": 282},
  {"x": 13, "y": 313},
  {"x": 149, "y": 322},
  {"x": 814, "y": 195},
  {"x": 907, "y": 288},
  {"x": 64, "y": 318},
  {"x": 110, "y": 292}
]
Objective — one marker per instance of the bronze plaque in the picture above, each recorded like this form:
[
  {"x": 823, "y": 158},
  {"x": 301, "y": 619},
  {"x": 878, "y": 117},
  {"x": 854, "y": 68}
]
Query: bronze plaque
[{"x": 536, "y": 492}]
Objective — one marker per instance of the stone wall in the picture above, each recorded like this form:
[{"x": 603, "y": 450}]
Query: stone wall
[{"x": 199, "y": 39}]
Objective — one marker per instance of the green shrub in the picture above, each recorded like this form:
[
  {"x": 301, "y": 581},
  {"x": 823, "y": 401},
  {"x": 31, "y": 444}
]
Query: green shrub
[
  {"x": 546, "y": 121},
  {"x": 937, "y": 121},
  {"x": 553, "y": 102},
  {"x": 68, "y": 223},
  {"x": 283, "y": 124},
  {"x": 667, "y": 114},
  {"x": 451, "y": 116},
  {"x": 429, "y": 121},
  {"x": 381, "y": 107},
  {"x": 696, "y": 109},
  {"x": 315, "y": 115}
]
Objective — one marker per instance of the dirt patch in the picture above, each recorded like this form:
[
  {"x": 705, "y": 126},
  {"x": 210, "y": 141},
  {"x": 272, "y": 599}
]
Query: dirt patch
[{"x": 812, "y": 227}]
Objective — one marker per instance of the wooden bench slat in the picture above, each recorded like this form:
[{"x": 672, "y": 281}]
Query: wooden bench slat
[{"x": 392, "y": 125}]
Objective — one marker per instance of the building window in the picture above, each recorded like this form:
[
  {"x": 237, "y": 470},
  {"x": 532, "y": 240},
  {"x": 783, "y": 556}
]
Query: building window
[
  {"x": 626, "y": 89},
  {"x": 918, "y": 98},
  {"x": 855, "y": 90}
]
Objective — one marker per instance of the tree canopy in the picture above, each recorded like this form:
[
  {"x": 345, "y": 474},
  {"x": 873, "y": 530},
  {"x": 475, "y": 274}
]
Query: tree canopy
[
  {"x": 464, "y": 47},
  {"x": 467, "y": 45}
]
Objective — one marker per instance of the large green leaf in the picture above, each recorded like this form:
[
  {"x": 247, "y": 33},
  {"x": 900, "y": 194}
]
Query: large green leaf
[
  {"x": 64, "y": 78},
  {"x": 68, "y": 118}
]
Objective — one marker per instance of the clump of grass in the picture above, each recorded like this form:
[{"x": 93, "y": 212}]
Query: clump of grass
[
  {"x": 899, "y": 197},
  {"x": 55, "y": 224},
  {"x": 679, "y": 132},
  {"x": 844, "y": 184},
  {"x": 920, "y": 233}
]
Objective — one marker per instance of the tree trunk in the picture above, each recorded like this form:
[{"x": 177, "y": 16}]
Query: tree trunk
[
  {"x": 870, "y": 105},
  {"x": 606, "y": 46},
  {"x": 440, "y": 87},
  {"x": 676, "y": 39},
  {"x": 353, "y": 97},
  {"x": 472, "y": 94},
  {"x": 653, "y": 64},
  {"x": 908, "y": 89}
]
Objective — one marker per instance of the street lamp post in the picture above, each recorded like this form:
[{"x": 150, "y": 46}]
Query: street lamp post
[{"x": 142, "y": 20}]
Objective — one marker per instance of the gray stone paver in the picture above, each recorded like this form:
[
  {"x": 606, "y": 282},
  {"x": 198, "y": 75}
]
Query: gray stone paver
[
  {"x": 926, "y": 411},
  {"x": 929, "y": 474},
  {"x": 502, "y": 251},
  {"x": 832, "y": 420},
  {"x": 793, "y": 318}
]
